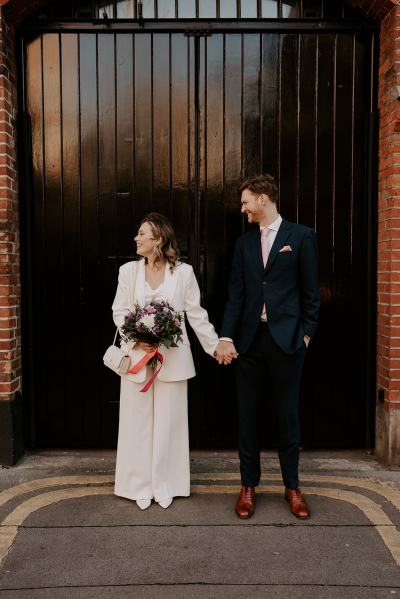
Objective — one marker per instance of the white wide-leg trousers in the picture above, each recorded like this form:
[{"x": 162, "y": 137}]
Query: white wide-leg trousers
[{"x": 153, "y": 441}]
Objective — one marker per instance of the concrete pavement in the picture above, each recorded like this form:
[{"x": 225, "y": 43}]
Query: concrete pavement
[{"x": 64, "y": 534}]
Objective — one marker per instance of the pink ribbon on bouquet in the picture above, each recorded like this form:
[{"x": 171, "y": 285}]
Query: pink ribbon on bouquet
[{"x": 142, "y": 362}]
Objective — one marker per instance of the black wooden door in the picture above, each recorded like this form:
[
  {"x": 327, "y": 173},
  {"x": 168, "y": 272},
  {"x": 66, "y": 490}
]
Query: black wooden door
[{"x": 125, "y": 123}]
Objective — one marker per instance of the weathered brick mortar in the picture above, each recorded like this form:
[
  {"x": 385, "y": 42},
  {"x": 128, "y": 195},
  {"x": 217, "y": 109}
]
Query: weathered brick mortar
[{"x": 10, "y": 302}]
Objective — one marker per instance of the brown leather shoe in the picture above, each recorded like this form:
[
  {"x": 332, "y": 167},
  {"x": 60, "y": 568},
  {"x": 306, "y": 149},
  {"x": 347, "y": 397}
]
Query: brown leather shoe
[
  {"x": 245, "y": 504},
  {"x": 298, "y": 504}
]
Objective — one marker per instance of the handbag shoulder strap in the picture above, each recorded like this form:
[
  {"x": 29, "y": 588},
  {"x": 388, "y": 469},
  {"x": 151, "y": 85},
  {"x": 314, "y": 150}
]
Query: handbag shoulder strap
[{"x": 134, "y": 277}]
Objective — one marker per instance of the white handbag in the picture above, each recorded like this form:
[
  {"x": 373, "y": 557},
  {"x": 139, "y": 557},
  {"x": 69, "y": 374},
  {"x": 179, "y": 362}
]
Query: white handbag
[{"x": 116, "y": 358}]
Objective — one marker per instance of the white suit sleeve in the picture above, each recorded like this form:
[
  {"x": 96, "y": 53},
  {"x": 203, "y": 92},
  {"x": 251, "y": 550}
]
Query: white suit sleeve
[
  {"x": 120, "y": 306},
  {"x": 198, "y": 316}
]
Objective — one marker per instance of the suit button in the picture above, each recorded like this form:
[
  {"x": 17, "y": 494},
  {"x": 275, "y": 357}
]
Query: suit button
[{"x": 264, "y": 282}]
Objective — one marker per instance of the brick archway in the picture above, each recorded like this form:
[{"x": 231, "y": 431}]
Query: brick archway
[{"x": 388, "y": 249}]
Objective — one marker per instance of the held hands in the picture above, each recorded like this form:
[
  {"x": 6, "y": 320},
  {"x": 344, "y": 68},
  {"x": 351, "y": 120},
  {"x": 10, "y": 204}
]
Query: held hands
[
  {"x": 225, "y": 352},
  {"x": 306, "y": 340}
]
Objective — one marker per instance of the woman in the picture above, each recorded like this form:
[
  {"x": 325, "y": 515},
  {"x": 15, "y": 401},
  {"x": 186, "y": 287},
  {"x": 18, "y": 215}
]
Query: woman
[{"x": 153, "y": 440}]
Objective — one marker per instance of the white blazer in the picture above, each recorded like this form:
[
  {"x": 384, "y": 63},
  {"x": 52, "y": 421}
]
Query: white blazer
[{"x": 182, "y": 291}]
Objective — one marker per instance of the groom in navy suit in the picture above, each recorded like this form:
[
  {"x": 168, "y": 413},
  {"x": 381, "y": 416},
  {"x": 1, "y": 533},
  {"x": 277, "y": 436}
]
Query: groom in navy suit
[{"x": 270, "y": 317}]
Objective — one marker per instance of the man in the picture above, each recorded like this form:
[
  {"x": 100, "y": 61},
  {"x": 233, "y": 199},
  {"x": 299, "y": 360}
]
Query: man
[{"x": 270, "y": 317}]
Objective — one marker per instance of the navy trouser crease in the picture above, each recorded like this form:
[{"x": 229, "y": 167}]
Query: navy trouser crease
[{"x": 265, "y": 372}]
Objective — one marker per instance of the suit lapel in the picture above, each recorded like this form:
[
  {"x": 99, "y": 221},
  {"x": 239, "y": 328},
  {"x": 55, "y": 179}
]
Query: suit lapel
[
  {"x": 170, "y": 282},
  {"x": 256, "y": 248},
  {"x": 281, "y": 236},
  {"x": 139, "y": 287}
]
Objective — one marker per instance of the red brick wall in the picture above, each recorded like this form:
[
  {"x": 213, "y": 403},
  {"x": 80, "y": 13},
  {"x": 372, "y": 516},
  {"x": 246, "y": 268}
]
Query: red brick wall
[
  {"x": 10, "y": 331},
  {"x": 388, "y": 300}
]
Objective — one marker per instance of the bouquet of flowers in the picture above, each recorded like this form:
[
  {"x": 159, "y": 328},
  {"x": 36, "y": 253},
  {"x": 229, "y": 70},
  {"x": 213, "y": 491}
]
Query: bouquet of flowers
[{"x": 157, "y": 324}]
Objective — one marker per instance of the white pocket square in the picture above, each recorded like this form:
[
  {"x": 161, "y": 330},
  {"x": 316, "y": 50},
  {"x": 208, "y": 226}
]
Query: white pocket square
[{"x": 286, "y": 248}]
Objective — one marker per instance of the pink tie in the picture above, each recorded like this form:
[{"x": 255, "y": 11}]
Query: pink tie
[
  {"x": 265, "y": 244},
  {"x": 265, "y": 249}
]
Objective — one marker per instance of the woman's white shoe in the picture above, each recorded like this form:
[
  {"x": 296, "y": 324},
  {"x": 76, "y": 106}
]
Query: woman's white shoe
[
  {"x": 143, "y": 503},
  {"x": 165, "y": 502}
]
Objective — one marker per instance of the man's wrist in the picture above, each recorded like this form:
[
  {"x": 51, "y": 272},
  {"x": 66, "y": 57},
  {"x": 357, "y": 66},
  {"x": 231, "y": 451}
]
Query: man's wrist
[{"x": 226, "y": 339}]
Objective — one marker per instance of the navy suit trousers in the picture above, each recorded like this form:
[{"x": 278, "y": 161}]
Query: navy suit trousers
[{"x": 264, "y": 372}]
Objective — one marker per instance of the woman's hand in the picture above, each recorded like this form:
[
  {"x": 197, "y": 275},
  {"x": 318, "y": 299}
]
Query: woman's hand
[{"x": 145, "y": 346}]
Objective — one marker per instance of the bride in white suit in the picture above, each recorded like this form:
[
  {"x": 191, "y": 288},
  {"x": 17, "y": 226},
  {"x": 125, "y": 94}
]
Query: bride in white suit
[{"x": 153, "y": 439}]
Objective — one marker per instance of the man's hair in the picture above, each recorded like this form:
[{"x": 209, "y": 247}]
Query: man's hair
[{"x": 263, "y": 183}]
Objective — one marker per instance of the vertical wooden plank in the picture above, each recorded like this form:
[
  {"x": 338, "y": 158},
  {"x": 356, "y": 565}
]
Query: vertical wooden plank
[
  {"x": 324, "y": 218},
  {"x": 179, "y": 207},
  {"x": 193, "y": 163},
  {"x": 34, "y": 90},
  {"x": 108, "y": 219},
  {"x": 73, "y": 355},
  {"x": 251, "y": 105},
  {"x": 53, "y": 233},
  {"x": 90, "y": 314},
  {"x": 143, "y": 126},
  {"x": 213, "y": 230},
  {"x": 107, "y": 157},
  {"x": 161, "y": 124},
  {"x": 306, "y": 209},
  {"x": 325, "y": 159},
  {"x": 347, "y": 305},
  {"x": 213, "y": 223},
  {"x": 232, "y": 138},
  {"x": 123, "y": 223},
  {"x": 270, "y": 104},
  {"x": 343, "y": 162},
  {"x": 124, "y": 147},
  {"x": 288, "y": 176},
  {"x": 307, "y": 138}
]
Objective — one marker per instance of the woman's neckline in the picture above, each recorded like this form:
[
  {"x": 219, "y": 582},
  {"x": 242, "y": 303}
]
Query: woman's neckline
[{"x": 154, "y": 288}]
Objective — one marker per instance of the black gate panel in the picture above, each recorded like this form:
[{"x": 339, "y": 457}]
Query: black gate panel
[{"x": 125, "y": 123}]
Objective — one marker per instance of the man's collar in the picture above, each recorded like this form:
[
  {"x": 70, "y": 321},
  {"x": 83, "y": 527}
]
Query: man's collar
[{"x": 274, "y": 225}]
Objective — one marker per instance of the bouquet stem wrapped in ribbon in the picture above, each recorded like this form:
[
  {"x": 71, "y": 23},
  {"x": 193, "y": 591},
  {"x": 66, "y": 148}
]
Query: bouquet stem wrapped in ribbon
[{"x": 157, "y": 324}]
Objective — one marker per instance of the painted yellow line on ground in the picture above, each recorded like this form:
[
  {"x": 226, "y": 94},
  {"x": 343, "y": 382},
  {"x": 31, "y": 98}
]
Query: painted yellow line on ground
[
  {"x": 375, "y": 514},
  {"x": 53, "y": 481},
  {"x": 7, "y": 536},
  {"x": 17, "y": 516},
  {"x": 10, "y": 524},
  {"x": 385, "y": 488},
  {"x": 384, "y": 526}
]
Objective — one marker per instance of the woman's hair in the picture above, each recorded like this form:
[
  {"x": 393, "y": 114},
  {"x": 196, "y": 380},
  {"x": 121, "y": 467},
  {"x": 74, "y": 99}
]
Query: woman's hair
[{"x": 162, "y": 229}]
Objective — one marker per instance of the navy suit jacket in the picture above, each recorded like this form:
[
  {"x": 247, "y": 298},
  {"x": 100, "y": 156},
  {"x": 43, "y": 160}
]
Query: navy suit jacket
[{"x": 288, "y": 286}]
